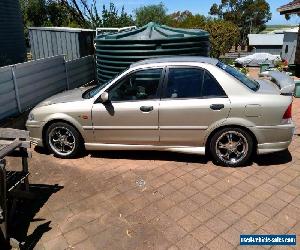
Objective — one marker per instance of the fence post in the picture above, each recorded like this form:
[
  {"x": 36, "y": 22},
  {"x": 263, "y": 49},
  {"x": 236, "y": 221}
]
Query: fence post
[
  {"x": 16, "y": 88},
  {"x": 66, "y": 70}
]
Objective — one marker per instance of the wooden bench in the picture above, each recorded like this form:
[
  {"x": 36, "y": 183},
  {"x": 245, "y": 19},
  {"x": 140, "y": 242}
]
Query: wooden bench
[{"x": 13, "y": 184}]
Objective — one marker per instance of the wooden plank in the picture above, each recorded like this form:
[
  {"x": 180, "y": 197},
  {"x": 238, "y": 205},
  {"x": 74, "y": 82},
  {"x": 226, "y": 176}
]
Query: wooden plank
[
  {"x": 24, "y": 144},
  {"x": 9, "y": 148},
  {"x": 11, "y": 133}
]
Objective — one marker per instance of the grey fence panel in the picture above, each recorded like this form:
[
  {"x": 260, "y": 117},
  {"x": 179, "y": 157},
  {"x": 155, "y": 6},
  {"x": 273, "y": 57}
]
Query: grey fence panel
[
  {"x": 8, "y": 103},
  {"x": 24, "y": 85},
  {"x": 80, "y": 71},
  {"x": 35, "y": 77}
]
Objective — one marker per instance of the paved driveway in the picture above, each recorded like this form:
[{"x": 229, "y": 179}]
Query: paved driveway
[{"x": 155, "y": 200}]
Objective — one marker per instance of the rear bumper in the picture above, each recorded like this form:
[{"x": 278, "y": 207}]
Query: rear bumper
[
  {"x": 266, "y": 148},
  {"x": 274, "y": 138}
]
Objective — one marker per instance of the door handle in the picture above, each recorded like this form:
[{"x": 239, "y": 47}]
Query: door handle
[
  {"x": 146, "y": 108},
  {"x": 217, "y": 106}
]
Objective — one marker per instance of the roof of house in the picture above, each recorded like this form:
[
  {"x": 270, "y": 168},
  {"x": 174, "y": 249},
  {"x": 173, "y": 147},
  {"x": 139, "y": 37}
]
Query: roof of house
[
  {"x": 68, "y": 29},
  {"x": 292, "y": 7},
  {"x": 281, "y": 31},
  {"x": 265, "y": 39}
]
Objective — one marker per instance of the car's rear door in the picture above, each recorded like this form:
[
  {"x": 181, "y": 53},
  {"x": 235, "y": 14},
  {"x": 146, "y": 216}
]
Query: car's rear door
[
  {"x": 131, "y": 115},
  {"x": 192, "y": 100}
]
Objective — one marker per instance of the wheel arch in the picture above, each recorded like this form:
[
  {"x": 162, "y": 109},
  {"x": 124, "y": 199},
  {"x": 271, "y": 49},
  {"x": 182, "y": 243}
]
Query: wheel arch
[{"x": 56, "y": 120}]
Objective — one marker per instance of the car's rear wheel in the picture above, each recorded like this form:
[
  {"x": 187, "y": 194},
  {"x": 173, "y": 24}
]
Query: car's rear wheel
[
  {"x": 63, "y": 140},
  {"x": 231, "y": 147}
]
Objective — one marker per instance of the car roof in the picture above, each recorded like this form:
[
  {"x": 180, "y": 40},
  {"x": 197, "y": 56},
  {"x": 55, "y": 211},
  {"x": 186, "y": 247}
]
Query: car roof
[{"x": 177, "y": 59}]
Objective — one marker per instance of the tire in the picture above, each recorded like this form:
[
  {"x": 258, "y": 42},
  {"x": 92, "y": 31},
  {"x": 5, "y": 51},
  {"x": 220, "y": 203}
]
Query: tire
[
  {"x": 63, "y": 140},
  {"x": 232, "y": 147}
]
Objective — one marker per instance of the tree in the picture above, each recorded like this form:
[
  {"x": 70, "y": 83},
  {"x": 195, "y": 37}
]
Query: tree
[
  {"x": 111, "y": 18},
  {"x": 249, "y": 15},
  {"x": 223, "y": 35},
  {"x": 151, "y": 13},
  {"x": 185, "y": 19}
]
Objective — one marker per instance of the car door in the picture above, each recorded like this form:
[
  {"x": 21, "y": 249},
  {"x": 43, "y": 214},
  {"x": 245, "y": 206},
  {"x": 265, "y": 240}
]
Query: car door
[
  {"x": 131, "y": 115},
  {"x": 192, "y": 101}
]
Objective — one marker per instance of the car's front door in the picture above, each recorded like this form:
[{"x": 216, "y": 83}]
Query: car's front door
[
  {"x": 192, "y": 101},
  {"x": 131, "y": 115}
]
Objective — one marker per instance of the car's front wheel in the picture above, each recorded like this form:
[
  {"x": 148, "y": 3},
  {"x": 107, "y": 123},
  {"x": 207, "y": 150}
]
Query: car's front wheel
[
  {"x": 63, "y": 140},
  {"x": 231, "y": 147}
]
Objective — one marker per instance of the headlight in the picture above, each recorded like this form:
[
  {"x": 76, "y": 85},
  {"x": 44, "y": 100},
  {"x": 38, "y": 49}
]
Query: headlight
[{"x": 30, "y": 117}]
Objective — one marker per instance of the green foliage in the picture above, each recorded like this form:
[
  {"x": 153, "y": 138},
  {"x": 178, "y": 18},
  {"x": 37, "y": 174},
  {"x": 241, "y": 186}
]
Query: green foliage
[
  {"x": 249, "y": 15},
  {"x": 244, "y": 70},
  {"x": 151, "y": 13},
  {"x": 228, "y": 61},
  {"x": 186, "y": 19},
  {"x": 111, "y": 18},
  {"x": 223, "y": 34}
]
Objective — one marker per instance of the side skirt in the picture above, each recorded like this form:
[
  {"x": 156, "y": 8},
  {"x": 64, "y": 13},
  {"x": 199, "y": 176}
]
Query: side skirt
[{"x": 179, "y": 149}]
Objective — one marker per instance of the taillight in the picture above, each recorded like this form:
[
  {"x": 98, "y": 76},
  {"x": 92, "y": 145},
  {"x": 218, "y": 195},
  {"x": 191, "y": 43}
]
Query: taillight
[{"x": 288, "y": 113}]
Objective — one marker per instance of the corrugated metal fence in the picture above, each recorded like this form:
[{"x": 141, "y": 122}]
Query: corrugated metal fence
[
  {"x": 80, "y": 71},
  {"x": 24, "y": 85}
]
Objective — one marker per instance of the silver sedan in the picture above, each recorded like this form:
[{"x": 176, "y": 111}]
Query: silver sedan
[{"x": 185, "y": 104}]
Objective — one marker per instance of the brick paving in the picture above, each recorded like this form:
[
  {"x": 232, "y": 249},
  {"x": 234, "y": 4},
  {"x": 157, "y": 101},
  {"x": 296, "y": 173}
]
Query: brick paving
[{"x": 185, "y": 202}]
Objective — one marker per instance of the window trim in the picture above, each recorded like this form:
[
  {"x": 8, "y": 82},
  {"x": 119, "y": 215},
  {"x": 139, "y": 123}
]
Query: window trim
[
  {"x": 165, "y": 84},
  {"x": 158, "y": 91}
]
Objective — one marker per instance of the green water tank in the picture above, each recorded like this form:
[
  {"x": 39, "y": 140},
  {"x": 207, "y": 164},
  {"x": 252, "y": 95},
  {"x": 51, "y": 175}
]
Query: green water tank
[{"x": 116, "y": 51}]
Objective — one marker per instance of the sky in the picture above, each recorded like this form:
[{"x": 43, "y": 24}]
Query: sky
[{"x": 198, "y": 6}]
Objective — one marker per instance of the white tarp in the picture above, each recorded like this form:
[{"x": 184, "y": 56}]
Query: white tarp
[{"x": 257, "y": 59}]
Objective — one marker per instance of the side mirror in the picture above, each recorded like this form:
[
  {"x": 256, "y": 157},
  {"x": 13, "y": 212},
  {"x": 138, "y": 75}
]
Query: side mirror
[{"x": 104, "y": 97}]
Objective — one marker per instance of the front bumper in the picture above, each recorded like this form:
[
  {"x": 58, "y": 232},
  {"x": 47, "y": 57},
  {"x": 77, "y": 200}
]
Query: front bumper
[{"x": 35, "y": 129}]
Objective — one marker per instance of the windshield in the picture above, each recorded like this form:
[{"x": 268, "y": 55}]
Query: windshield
[
  {"x": 251, "y": 84},
  {"x": 95, "y": 90}
]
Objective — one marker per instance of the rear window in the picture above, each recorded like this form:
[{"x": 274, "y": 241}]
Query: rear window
[{"x": 251, "y": 84}]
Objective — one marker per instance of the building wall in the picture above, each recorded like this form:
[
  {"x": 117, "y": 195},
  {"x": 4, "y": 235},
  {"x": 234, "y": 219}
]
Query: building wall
[
  {"x": 272, "y": 49},
  {"x": 297, "y": 54},
  {"x": 12, "y": 41},
  {"x": 289, "y": 46}
]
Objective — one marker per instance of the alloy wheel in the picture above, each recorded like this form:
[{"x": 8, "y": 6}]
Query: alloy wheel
[
  {"x": 62, "y": 141},
  {"x": 231, "y": 147}
]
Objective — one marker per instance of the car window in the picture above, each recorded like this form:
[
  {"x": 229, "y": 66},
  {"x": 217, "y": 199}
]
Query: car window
[
  {"x": 251, "y": 84},
  {"x": 191, "y": 83},
  {"x": 139, "y": 85},
  {"x": 184, "y": 83},
  {"x": 211, "y": 88}
]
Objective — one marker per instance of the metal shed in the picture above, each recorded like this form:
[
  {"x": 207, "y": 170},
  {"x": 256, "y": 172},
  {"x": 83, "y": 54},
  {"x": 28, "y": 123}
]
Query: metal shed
[
  {"x": 116, "y": 51},
  {"x": 12, "y": 40},
  {"x": 51, "y": 41},
  {"x": 266, "y": 43},
  {"x": 289, "y": 45},
  {"x": 293, "y": 7}
]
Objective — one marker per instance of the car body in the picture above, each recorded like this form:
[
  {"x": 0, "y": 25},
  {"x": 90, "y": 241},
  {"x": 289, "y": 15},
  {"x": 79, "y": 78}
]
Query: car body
[{"x": 173, "y": 103}]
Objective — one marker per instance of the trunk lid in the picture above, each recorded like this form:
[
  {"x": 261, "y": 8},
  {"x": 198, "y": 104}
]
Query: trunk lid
[{"x": 284, "y": 83}]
